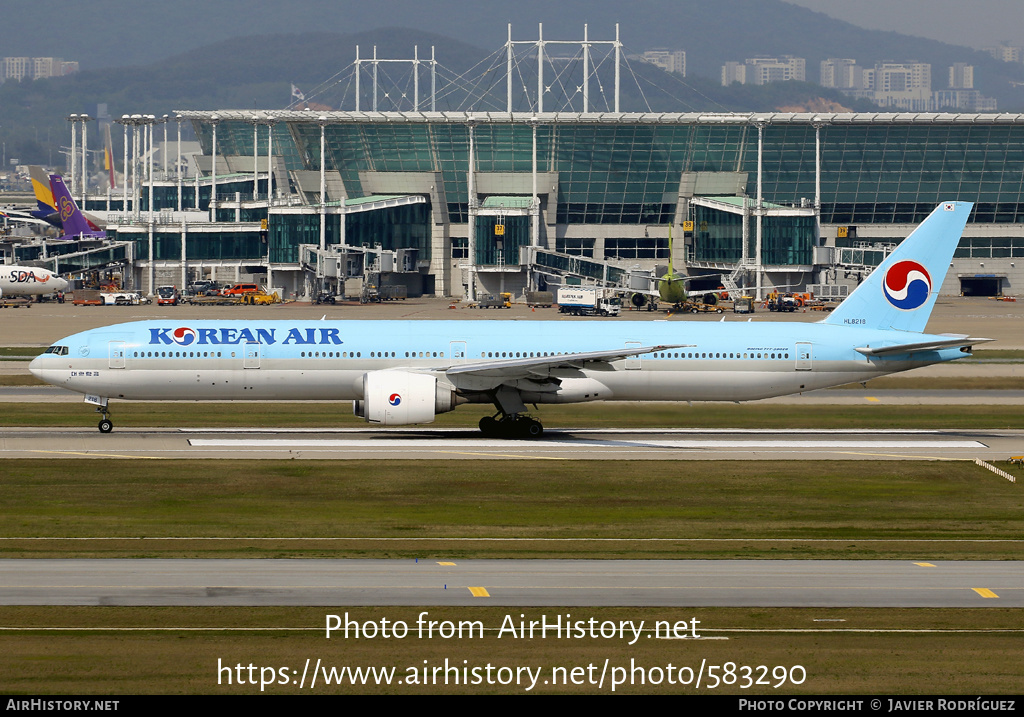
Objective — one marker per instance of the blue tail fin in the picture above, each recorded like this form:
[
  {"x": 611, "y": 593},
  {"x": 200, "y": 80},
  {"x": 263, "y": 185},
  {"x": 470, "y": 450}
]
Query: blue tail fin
[{"x": 901, "y": 292}]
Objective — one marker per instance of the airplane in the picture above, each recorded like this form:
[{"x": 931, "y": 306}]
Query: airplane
[
  {"x": 42, "y": 187},
  {"x": 21, "y": 217},
  {"x": 672, "y": 286},
  {"x": 28, "y": 281},
  {"x": 74, "y": 223},
  {"x": 406, "y": 372}
]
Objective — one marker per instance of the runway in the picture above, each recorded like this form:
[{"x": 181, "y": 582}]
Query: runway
[
  {"x": 697, "y": 583},
  {"x": 568, "y": 444}
]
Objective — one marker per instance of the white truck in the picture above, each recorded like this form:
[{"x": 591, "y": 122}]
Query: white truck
[{"x": 588, "y": 301}]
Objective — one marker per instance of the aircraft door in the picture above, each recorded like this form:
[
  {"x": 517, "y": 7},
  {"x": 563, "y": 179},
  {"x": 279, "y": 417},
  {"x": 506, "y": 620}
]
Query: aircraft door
[
  {"x": 116, "y": 355},
  {"x": 251, "y": 355},
  {"x": 804, "y": 356},
  {"x": 458, "y": 350},
  {"x": 633, "y": 362}
]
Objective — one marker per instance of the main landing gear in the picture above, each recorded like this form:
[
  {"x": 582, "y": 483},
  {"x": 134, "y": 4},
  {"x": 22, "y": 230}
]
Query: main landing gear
[
  {"x": 105, "y": 425},
  {"x": 511, "y": 426}
]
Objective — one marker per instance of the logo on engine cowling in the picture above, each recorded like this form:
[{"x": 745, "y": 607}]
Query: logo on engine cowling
[{"x": 395, "y": 399}]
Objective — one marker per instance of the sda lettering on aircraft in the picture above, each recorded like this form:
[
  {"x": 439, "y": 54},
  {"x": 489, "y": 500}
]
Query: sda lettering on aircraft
[
  {"x": 27, "y": 277},
  {"x": 907, "y": 285},
  {"x": 186, "y": 336}
]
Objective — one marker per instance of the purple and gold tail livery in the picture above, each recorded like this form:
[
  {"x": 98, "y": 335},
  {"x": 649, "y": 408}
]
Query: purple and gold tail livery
[{"x": 74, "y": 223}]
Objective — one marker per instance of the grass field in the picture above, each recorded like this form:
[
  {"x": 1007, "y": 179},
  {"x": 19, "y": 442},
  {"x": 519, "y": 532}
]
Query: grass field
[
  {"x": 609, "y": 509},
  {"x": 919, "y": 511}
]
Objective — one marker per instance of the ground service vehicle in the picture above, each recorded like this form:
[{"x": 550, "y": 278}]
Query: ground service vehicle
[
  {"x": 743, "y": 305},
  {"x": 699, "y": 307},
  {"x": 239, "y": 289},
  {"x": 167, "y": 296},
  {"x": 501, "y": 301},
  {"x": 782, "y": 302},
  {"x": 588, "y": 301}
]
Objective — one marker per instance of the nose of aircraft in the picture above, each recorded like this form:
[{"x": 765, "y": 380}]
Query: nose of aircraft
[
  {"x": 36, "y": 366},
  {"x": 60, "y": 284}
]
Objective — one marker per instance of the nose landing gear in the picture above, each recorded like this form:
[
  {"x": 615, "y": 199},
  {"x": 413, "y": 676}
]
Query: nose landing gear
[{"x": 105, "y": 425}]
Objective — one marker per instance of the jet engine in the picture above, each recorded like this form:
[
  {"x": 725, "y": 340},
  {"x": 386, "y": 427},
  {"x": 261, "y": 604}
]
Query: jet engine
[{"x": 394, "y": 398}]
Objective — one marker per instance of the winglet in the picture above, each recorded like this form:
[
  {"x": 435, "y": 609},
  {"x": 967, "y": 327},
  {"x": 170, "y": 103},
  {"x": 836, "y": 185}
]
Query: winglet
[{"x": 901, "y": 292}]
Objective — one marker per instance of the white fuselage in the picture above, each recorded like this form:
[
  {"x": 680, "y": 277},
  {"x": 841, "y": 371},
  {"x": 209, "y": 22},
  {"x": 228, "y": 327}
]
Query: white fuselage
[
  {"x": 29, "y": 281},
  {"x": 326, "y": 360}
]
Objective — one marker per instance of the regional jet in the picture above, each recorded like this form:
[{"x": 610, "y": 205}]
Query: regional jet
[
  {"x": 28, "y": 281},
  {"x": 406, "y": 372}
]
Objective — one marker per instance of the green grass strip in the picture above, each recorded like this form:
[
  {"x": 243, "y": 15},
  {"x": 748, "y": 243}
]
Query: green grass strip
[{"x": 806, "y": 509}]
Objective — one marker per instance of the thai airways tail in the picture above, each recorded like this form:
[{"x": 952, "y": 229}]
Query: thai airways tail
[
  {"x": 901, "y": 292},
  {"x": 71, "y": 217}
]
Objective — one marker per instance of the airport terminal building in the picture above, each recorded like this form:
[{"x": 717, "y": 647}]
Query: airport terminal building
[{"x": 464, "y": 203}]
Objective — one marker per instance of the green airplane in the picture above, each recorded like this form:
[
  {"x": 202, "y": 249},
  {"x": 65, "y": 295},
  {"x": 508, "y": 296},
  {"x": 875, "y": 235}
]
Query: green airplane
[{"x": 672, "y": 286}]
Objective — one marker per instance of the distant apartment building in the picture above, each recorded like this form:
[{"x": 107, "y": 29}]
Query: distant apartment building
[
  {"x": 1006, "y": 53},
  {"x": 842, "y": 74},
  {"x": 763, "y": 70},
  {"x": 968, "y": 100},
  {"x": 961, "y": 94},
  {"x": 668, "y": 60},
  {"x": 15, "y": 68},
  {"x": 34, "y": 68},
  {"x": 905, "y": 86},
  {"x": 734, "y": 72},
  {"x": 961, "y": 76}
]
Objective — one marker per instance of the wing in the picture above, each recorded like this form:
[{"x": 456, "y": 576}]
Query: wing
[{"x": 525, "y": 367}]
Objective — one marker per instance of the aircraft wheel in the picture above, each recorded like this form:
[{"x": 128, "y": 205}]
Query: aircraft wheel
[
  {"x": 106, "y": 425},
  {"x": 534, "y": 429},
  {"x": 488, "y": 426}
]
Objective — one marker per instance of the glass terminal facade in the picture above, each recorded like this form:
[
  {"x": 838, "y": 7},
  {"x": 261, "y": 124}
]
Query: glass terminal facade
[{"x": 612, "y": 184}]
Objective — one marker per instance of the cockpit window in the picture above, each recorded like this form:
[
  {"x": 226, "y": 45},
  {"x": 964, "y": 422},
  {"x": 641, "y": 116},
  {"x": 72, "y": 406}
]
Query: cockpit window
[{"x": 57, "y": 350}]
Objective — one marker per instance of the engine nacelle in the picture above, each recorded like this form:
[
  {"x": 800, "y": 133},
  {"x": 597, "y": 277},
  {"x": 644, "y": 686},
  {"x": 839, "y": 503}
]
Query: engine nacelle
[{"x": 395, "y": 398}]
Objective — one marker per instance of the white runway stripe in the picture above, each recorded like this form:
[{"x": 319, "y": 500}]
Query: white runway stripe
[{"x": 480, "y": 443}]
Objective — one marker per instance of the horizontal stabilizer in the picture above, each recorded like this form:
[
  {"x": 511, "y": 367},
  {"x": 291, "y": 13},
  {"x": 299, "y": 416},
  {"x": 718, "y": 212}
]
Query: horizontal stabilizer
[{"x": 921, "y": 346}]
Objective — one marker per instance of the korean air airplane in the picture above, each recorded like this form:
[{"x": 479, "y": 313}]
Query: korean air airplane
[
  {"x": 28, "y": 281},
  {"x": 406, "y": 372}
]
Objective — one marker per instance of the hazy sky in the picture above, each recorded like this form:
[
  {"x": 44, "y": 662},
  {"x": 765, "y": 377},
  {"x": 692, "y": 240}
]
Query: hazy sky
[{"x": 975, "y": 23}]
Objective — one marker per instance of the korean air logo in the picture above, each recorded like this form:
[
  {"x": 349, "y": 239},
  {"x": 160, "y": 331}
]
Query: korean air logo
[
  {"x": 183, "y": 336},
  {"x": 395, "y": 399},
  {"x": 907, "y": 285}
]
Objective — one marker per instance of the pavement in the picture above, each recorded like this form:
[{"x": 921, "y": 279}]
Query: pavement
[{"x": 564, "y": 583}]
